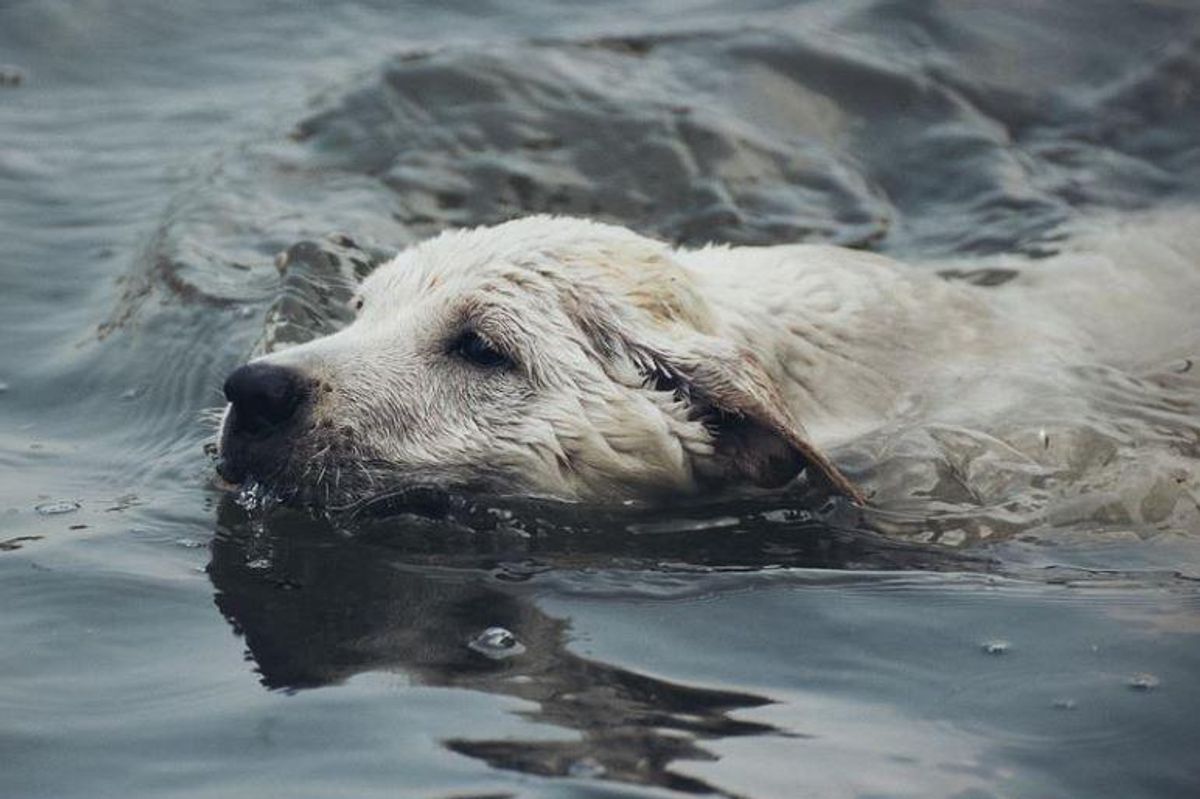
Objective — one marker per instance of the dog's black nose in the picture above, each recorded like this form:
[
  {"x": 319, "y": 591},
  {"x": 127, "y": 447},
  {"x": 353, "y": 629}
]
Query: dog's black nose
[{"x": 263, "y": 395}]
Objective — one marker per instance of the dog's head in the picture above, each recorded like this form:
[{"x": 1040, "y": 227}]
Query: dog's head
[{"x": 551, "y": 356}]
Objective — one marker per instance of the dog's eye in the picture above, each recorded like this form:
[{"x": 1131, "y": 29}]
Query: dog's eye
[{"x": 477, "y": 350}]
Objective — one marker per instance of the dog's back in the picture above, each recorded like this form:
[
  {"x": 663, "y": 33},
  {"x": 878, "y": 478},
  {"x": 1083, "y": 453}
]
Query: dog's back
[{"x": 856, "y": 338}]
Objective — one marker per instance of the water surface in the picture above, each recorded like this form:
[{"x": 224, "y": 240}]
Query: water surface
[{"x": 1003, "y": 625}]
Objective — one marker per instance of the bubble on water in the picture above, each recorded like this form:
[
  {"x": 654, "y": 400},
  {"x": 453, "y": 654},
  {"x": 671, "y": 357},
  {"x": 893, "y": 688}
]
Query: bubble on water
[
  {"x": 1143, "y": 681},
  {"x": 995, "y": 647},
  {"x": 586, "y": 768},
  {"x": 496, "y": 643},
  {"x": 259, "y": 564},
  {"x": 1064, "y": 704},
  {"x": 57, "y": 507}
]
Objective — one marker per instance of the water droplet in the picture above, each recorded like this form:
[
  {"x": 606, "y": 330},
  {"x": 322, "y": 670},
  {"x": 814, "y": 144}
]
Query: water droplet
[
  {"x": 496, "y": 643},
  {"x": 1143, "y": 681},
  {"x": 586, "y": 768},
  {"x": 253, "y": 496},
  {"x": 996, "y": 647},
  {"x": 56, "y": 507},
  {"x": 189, "y": 543}
]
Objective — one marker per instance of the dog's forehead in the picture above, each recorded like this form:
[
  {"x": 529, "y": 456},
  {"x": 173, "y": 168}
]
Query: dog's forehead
[
  {"x": 418, "y": 272},
  {"x": 545, "y": 265},
  {"x": 528, "y": 246},
  {"x": 452, "y": 262}
]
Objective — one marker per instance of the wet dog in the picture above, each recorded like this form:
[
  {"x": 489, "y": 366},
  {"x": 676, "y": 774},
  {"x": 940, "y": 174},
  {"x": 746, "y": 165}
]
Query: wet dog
[{"x": 568, "y": 358}]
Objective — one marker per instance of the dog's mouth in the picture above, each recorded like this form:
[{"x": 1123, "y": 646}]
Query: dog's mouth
[
  {"x": 316, "y": 483},
  {"x": 337, "y": 486},
  {"x": 284, "y": 467},
  {"x": 257, "y": 457},
  {"x": 230, "y": 472},
  {"x": 319, "y": 474},
  {"x": 222, "y": 481}
]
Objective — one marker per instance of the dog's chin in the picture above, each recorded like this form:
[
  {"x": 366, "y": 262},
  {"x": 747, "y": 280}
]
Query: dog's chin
[
  {"x": 284, "y": 489},
  {"x": 264, "y": 469},
  {"x": 272, "y": 462},
  {"x": 220, "y": 482},
  {"x": 230, "y": 473},
  {"x": 333, "y": 485},
  {"x": 316, "y": 473}
]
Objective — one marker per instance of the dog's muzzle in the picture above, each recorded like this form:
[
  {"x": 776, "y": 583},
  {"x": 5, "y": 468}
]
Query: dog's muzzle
[{"x": 265, "y": 403}]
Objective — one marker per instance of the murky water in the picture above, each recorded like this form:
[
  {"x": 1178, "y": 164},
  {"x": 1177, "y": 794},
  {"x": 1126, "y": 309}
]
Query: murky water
[{"x": 1017, "y": 615}]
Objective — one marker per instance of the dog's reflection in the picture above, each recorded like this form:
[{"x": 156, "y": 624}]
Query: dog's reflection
[
  {"x": 410, "y": 590},
  {"x": 316, "y": 608}
]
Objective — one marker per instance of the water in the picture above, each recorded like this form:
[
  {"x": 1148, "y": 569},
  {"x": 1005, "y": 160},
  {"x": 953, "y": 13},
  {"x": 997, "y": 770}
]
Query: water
[{"x": 1018, "y": 615}]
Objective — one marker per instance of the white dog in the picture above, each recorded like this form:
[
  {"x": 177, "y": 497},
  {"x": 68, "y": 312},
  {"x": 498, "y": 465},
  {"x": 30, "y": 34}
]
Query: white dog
[{"x": 574, "y": 359}]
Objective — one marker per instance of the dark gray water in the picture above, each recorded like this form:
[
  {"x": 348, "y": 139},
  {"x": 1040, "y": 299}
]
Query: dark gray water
[{"x": 988, "y": 631}]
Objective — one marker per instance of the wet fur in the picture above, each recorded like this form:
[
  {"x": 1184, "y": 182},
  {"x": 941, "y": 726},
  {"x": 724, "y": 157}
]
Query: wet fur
[{"x": 636, "y": 368}]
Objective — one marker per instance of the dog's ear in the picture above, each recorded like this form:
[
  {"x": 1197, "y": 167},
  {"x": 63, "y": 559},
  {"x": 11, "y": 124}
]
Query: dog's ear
[
  {"x": 756, "y": 436},
  {"x": 649, "y": 311}
]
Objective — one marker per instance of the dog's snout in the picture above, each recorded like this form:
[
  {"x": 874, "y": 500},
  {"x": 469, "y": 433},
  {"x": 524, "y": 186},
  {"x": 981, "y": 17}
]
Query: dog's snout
[{"x": 264, "y": 396}]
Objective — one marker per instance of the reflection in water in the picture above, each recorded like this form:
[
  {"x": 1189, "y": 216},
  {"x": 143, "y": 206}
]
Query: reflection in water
[{"x": 411, "y": 592}]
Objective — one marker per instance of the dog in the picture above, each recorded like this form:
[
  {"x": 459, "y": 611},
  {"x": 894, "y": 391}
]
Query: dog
[{"x": 568, "y": 358}]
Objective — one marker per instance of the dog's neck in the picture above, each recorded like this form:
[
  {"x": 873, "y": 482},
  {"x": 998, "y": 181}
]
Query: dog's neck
[{"x": 847, "y": 335}]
